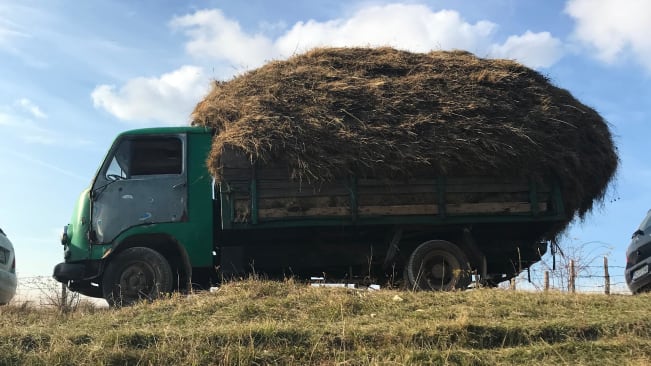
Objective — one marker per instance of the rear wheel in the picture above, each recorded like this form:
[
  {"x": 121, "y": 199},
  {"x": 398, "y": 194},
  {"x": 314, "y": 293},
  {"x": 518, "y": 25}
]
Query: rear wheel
[
  {"x": 437, "y": 265},
  {"x": 136, "y": 274}
]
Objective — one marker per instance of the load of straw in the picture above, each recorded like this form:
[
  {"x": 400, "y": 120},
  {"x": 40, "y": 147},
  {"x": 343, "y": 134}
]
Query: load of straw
[{"x": 382, "y": 112}]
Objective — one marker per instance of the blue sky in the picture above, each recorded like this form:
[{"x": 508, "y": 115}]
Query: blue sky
[{"x": 74, "y": 74}]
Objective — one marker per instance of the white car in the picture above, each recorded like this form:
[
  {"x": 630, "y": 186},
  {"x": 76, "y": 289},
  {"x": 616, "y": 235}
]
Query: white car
[{"x": 7, "y": 270}]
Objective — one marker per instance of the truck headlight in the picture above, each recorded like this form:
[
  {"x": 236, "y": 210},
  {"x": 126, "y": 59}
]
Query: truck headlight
[{"x": 67, "y": 234}]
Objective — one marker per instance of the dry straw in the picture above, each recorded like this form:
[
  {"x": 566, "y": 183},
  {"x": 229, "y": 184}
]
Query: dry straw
[{"x": 382, "y": 112}]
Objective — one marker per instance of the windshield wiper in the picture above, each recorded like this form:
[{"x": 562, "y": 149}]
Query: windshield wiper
[{"x": 97, "y": 191}]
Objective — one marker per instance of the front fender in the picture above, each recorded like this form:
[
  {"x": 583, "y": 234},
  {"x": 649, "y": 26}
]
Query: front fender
[{"x": 170, "y": 247}]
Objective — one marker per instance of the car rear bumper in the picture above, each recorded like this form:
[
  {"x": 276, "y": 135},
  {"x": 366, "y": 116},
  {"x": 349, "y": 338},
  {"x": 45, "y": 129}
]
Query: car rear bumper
[
  {"x": 638, "y": 276},
  {"x": 8, "y": 284}
]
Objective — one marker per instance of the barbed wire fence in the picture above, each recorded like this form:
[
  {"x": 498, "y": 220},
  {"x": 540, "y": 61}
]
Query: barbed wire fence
[
  {"x": 605, "y": 279},
  {"x": 44, "y": 291},
  {"x": 574, "y": 267}
]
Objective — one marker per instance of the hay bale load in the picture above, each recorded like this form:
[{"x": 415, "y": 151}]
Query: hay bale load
[{"x": 382, "y": 112}]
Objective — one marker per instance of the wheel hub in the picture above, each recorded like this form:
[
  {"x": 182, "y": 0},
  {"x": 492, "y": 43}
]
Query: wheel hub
[
  {"x": 135, "y": 281},
  {"x": 438, "y": 270}
]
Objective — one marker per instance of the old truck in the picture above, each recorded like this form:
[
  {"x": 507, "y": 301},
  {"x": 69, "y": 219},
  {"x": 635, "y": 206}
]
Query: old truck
[{"x": 155, "y": 221}]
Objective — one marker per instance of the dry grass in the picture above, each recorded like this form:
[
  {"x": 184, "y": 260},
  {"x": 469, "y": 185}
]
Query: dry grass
[
  {"x": 256, "y": 322},
  {"x": 382, "y": 112}
]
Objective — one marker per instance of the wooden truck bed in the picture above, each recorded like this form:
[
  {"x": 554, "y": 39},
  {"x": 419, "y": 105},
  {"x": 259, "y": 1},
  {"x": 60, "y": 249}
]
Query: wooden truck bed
[{"x": 253, "y": 196}]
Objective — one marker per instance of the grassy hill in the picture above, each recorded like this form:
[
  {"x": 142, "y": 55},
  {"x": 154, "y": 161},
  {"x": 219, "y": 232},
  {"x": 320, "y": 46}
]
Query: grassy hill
[{"x": 257, "y": 322}]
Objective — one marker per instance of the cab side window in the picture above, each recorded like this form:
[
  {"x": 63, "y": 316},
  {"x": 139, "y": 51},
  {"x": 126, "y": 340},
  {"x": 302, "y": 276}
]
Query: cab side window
[
  {"x": 146, "y": 156},
  {"x": 154, "y": 156}
]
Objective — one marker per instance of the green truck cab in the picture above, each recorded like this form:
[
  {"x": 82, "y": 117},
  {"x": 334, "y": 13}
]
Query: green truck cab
[
  {"x": 149, "y": 193},
  {"x": 154, "y": 221}
]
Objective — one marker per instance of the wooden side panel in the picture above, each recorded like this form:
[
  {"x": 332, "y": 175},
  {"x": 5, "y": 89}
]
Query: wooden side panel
[
  {"x": 274, "y": 195},
  {"x": 377, "y": 197}
]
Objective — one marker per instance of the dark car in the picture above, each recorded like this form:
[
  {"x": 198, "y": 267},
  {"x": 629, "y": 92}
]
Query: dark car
[
  {"x": 7, "y": 270},
  {"x": 638, "y": 258}
]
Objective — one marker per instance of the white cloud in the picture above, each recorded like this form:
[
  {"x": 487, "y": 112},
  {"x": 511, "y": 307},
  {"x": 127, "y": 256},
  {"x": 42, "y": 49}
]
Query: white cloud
[
  {"x": 18, "y": 122},
  {"x": 214, "y": 37},
  {"x": 532, "y": 49},
  {"x": 6, "y": 35},
  {"x": 29, "y": 158},
  {"x": 615, "y": 28},
  {"x": 30, "y": 107},
  {"x": 5, "y": 120},
  {"x": 168, "y": 98},
  {"x": 409, "y": 27},
  {"x": 10, "y": 32}
]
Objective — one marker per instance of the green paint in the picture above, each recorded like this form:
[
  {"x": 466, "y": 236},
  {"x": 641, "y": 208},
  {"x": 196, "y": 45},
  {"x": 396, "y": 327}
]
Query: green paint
[
  {"x": 254, "y": 199},
  {"x": 195, "y": 233},
  {"x": 440, "y": 190},
  {"x": 353, "y": 198},
  {"x": 533, "y": 198},
  {"x": 78, "y": 245}
]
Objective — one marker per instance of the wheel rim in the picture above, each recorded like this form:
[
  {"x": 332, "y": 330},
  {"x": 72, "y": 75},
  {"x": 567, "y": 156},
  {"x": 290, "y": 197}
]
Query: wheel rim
[
  {"x": 439, "y": 270},
  {"x": 137, "y": 281}
]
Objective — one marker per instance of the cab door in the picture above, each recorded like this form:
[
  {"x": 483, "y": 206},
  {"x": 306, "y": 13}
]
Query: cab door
[{"x": 143, "y": 181}]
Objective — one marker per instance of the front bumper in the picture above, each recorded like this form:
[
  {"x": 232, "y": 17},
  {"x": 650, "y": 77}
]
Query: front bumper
[
  {"x": 64, "y": 272},
  {"x": 87, "y": 270},
  {"x": 80, "y": 277}
]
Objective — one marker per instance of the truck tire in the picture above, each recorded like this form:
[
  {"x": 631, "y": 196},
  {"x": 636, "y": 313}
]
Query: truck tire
[
  {"x": 437, "y": 265},
  {"x": 136, "y": 274}
]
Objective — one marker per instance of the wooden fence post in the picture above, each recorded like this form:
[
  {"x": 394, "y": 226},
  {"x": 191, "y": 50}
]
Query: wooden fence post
[
  {"x": 513, "y": 283},
  {"x": 477, "y": 283},
  {"x": 546, "y": 280},
  {"x": 606, "y": 277},
  {"x": 64, "y": 297},
  {"x": 572, "y": 285}
]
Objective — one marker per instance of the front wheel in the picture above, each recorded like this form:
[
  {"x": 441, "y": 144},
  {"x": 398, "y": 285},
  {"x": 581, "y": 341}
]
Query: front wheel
[
  {"x": 437, "y": 265},
  {"x": 135, "y": 274}
]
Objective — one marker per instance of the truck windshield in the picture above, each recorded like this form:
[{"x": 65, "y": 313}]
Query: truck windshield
[{"x": 119, "y": 166}]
